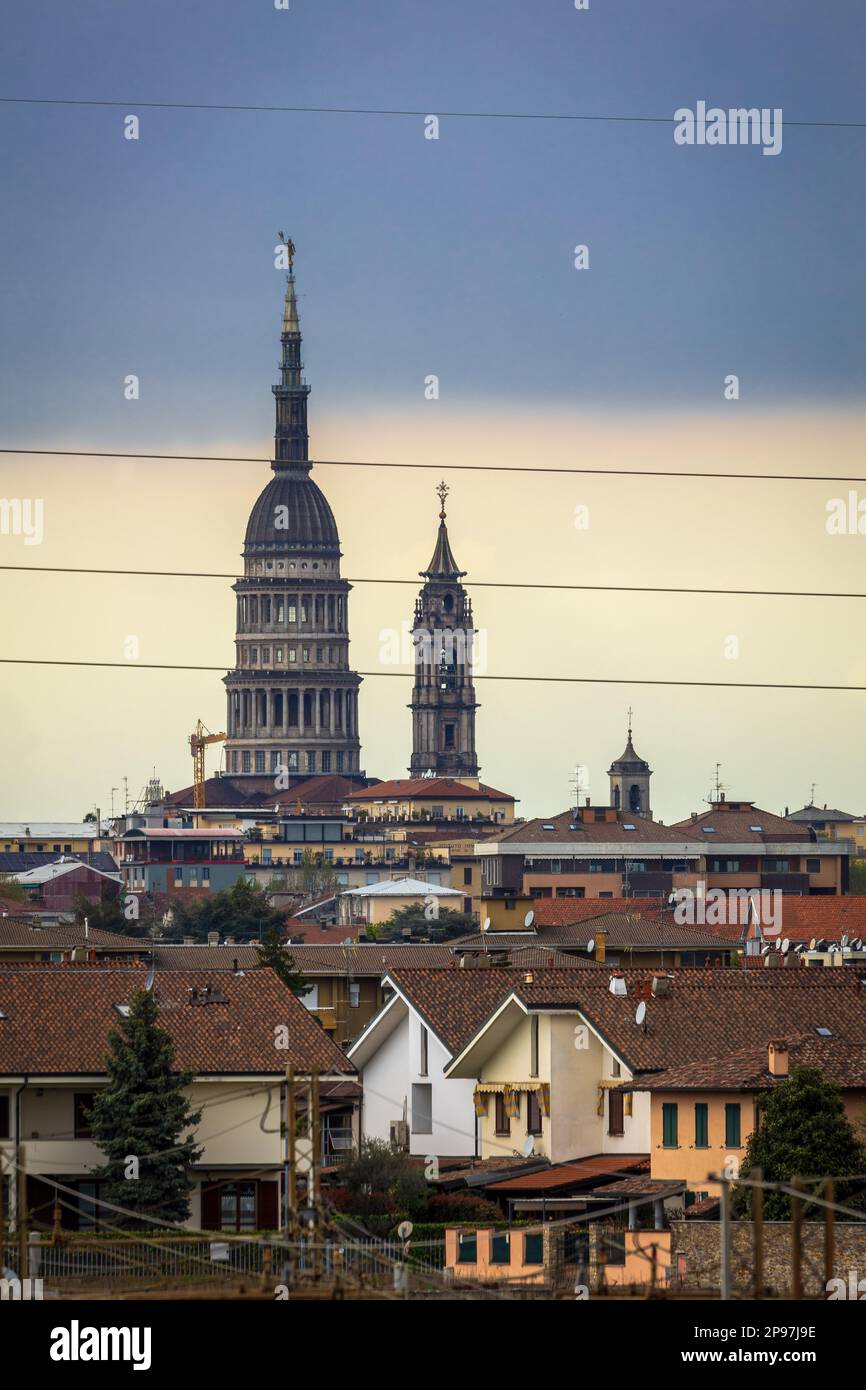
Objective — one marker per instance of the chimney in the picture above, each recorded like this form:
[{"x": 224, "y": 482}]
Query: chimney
[
  {"x": 618, "y": 985},
  {"x": 777, "y": 1059},
  {"x": 600, "y": 947},
  {"x": 721, "y": 796},
  {"x": 189, "y": 941},
  {"x": 213, "y": 938},
  {"x": 661, "y": 986},
  {"x": 587, "y": 802},
  {"x": 528, "y": 978}
]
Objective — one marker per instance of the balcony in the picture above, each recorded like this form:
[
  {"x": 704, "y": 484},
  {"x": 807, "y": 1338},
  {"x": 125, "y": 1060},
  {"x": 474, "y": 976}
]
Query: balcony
[
  {"x": 648, "y": 883},
  {"x": 785, "y": 882}
]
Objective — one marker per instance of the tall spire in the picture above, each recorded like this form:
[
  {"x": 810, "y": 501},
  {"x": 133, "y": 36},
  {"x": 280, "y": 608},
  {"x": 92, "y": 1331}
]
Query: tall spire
[
  {"x": 291, "y": 441},
  {"x": 443, "y": 565}
]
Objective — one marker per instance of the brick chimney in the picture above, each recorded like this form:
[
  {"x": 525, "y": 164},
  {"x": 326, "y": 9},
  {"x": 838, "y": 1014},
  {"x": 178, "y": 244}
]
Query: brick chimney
[{"x": 777, "y": 1059}]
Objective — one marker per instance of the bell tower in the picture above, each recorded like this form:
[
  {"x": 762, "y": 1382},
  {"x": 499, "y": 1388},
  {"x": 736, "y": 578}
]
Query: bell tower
[
  {"x": 443, "y": 697},
  {"x": 630, "y": 781}
]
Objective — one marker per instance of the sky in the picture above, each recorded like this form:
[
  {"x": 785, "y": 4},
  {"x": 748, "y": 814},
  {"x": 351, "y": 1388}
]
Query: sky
[{"x": 451, "y": 257}]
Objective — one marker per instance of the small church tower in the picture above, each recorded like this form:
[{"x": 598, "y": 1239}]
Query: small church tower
[
  {"x": 443, "y": 697},
  {"x": 630, "y": 781}
]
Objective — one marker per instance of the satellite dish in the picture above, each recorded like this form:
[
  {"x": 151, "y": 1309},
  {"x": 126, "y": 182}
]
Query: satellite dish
[
  {"x": 858, "y": 944},
  {"x": 640, "y": 1013},
  {"x": 777, "y": 944},
  {"x": 405, "y": 1229},
  {"x": 485, "y": 925},
  {"x": 812, "y": 944},
  {"x": 151, "y": 974},
  {"x": 590, "y": 946},
  {"x": 528, "y": 1146},
  {"x": 529, "y": 919},
  {"x": 844, "y": 940},
  {"x": 765, "y": 950},
  {"x": 786, "y": 946}
]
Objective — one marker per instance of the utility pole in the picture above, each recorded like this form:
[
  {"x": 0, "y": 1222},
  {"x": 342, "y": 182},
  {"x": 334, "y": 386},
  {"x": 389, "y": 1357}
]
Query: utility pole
[
  {"x": 758, "y": 1222},
  {"x": 725, "y": 1254},
  {"x": 796, "y": 1253}
]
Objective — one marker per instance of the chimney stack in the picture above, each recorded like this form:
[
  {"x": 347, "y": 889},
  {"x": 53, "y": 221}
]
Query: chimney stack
[
  {"x": 777, "y": 1059},
  {"x": 618, "y": 985}
]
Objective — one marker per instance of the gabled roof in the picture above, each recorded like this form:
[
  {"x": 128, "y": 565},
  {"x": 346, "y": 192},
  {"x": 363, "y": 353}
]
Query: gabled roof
[
  {"x": 369, "y": 961},
  {"x": 401, "y": 888},
  {"x": 705, "y": 1014},
  {"x": 47, "y": 873},
  {"x": 579, "y": 1172},
  {"x": 551, "y": 912},
  {"x": 810, "y": 814},
  {"x": 454, "y": 1003},
  {"x": 734, "y": 826},
  {"x": 56, "y": 1019},
  {"x": 623, "y": 930}
]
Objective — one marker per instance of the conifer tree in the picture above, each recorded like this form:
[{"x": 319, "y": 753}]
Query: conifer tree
[
  {"x": 141, "y": 1121},
  {"x": 271, "y": 952}
]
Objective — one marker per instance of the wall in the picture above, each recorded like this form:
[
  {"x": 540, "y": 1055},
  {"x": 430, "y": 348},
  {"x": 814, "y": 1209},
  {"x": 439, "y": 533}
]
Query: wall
[
  {"x": 696, "y": 1246},
  {"x": 388, "y": 1078}
]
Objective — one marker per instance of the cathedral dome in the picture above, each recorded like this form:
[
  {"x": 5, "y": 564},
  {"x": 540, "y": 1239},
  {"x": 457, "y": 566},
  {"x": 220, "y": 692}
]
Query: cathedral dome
[{"x": 291, "y": 513}]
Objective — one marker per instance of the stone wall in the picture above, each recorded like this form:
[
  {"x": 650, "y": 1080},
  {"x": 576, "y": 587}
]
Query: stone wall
[{"x": 696, "y": 1246}]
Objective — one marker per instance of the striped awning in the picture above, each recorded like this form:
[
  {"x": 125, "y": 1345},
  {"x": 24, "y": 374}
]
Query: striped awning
[{"x": 492, "y": 1087}]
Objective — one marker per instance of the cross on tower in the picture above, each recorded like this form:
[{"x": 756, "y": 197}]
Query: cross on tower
[{"x": 442, "y": 491}]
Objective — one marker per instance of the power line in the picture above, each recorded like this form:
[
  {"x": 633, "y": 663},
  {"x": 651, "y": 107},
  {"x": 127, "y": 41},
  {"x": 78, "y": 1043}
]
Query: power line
[
  {"x": 454, "y": 467},
  {"x": 468, "y": 584},
  {"x": 405, "y": 675},
  {"x": 385, "y": 111}
]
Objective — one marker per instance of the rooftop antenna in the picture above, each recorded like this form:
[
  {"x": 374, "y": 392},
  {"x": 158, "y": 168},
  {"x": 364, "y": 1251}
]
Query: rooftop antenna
[
  {"x": 812, "y": 794},
  {"x": 579, "y": 784},
  {"x": 718, "y": 786}
]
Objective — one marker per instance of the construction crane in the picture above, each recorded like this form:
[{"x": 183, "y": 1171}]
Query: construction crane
[{"x": 198, "y": 741}]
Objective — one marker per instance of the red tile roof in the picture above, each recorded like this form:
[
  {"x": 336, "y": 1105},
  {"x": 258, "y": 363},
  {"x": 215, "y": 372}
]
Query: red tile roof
[
  {"x": 581, "y": 1172},
  {"x": 815, "y": 915},
  {"x": 567, "y": 830},
  {"x": 66, "y": 937},
  {"x": 55, "y": 1019},
  {"x": 563, "y": 912},
  {"x": 735, "y": 827},
  {"x": 842, "y": 1063}
]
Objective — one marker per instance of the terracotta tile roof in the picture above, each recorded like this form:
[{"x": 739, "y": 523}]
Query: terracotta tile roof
[
  {"x": 567, "y": 830},
  {"x": 454, "y": 1003},
  {"x": 426, "y": 789},
  {"x": 842, "y": 1063},
  {"x": 563, "y": 912},
  {"x": 624, "y": 931},
  {"x": 65, "y": 937},
  {"x": 708, "y": 1013},
  {"x": 57, "y": 1018},
  {"x": 803, "y": 917},
  {"x": 332, "y": 959},
  {"x": 637, "y": 1186},
  {"x": 251, "y": 793},
  {"x": 579, "y": 1173}
]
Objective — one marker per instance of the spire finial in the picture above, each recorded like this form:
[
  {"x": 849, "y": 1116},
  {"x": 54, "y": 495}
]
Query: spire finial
[
  {"x": 442, "y": 491},
  {"x": 290, "y": 248},
  {"x": 630, "y": 713}
]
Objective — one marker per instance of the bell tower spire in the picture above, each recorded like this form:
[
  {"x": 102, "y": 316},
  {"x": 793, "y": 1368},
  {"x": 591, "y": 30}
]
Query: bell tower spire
[
  {"x": 443, "y": 697},
  {"x": 291, "y": 440}
]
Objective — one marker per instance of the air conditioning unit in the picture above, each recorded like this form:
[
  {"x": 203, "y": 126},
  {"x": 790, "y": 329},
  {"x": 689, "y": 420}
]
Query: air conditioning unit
[{"x": 400, "y": 1135}]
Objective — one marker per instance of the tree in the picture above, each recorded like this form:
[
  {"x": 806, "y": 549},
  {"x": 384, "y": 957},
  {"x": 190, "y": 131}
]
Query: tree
[
  {"x": 271, "y": 952},
  {"x": 445, "y": 925},
  {"x": 857, "y": 876},
  {"x": 381, "y": 1179},
  {"x": 106, "y": 915},
  {"x": 138, "y": 1120},
  {"x": 312, "y": 877},
  {"x": 243, "y": 911},
  {"x": 804, "y": 1133}
]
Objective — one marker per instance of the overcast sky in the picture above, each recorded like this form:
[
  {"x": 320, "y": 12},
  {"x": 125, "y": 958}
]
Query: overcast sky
[{"x": 452, "y": 257}]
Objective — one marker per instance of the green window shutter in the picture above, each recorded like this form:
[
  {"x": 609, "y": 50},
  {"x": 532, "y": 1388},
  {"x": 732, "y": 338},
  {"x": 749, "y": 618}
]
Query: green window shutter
[
  {"x": 669, "y": 1126},
  {"x": 701, "y": 1140},
  {"x": 500, "y": 1248},
  {"x": 467, "y": 1248},
  {"x": 533, "y": 1249},
  {"x": 732, "y": 1125}
]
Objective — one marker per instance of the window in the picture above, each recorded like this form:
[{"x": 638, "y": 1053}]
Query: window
[
  {"x": 246, "y": 762},
  {"x": 311, "y": 762},
  {"x": 467, "y": 1247},
  {"x": 260, "y": 760},
  {"x": 533, "y": 1249},
  {"x": 326, "y": 761},
  {"x": 615, "y": 1068},
  {"x": 448, "y": 735},
  {"x": 533, "y": 1048},
  {"x": 701, "y": 1139},
  {"x": 238, "y": 1206},
  {"x": 293, "y": 655},
  {"x": 339, "y": 762},
  {"x": 4, "y": 1117},
  {"x": 82, "y": 1102},
  {"x": 422, "y": 1108},
  {"x": 354, "y": 996},
  {"x": 500, "y": 1248},
  {"x": 813, "y": 866},
  {"x": 422, "y": 1065},
  {"x": 533, "y": 1114},
  {"x": 732, "y": 1125},
  {"x": 615, "y": 1111},
  {"x": 266, "y": 655},
  {"x": 467, "y": 877},
  {"x": 501, "y": 1121},
  {"x": 669, "y": 1127}
]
